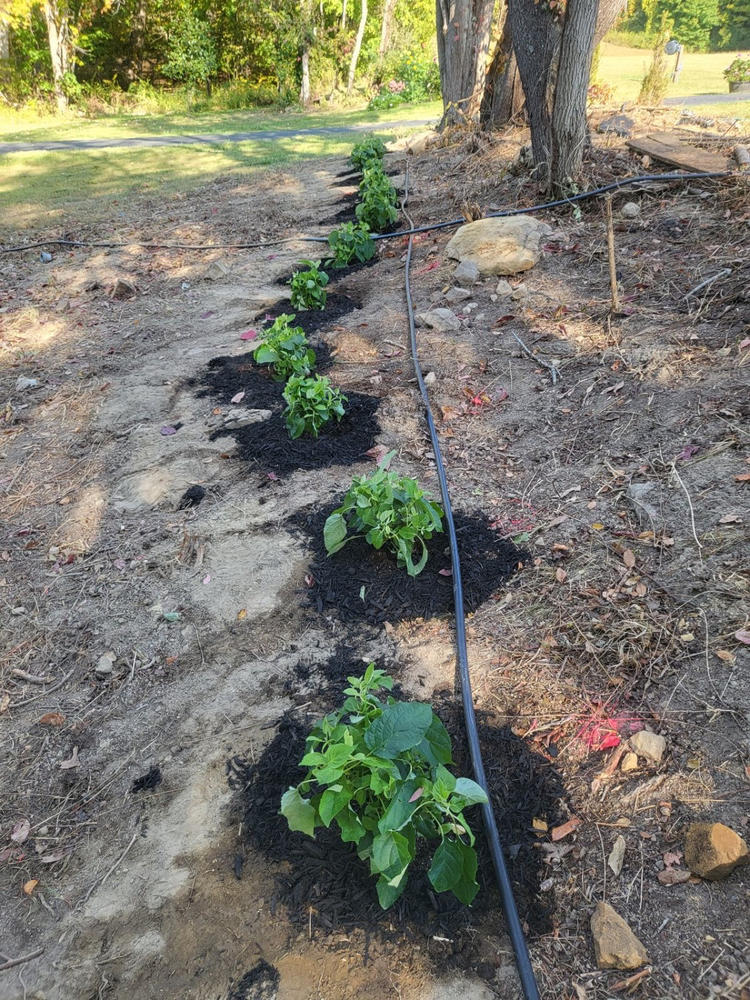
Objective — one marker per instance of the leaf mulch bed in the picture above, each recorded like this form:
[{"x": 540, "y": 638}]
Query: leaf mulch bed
[
  {"x": 364, "y": 584},
  {"x": 259, "y": 983},
  {"x": 267, "y": 445},
  {"x": 338, "y": 304},
  {"x": 325, "y": 878}
]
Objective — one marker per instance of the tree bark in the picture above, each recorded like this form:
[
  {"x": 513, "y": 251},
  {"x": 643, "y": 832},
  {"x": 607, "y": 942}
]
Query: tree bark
[
  {"x": 343, "y": 15},
  {"x": 357, "y": 47},
  {"x": 60, "y": 47},
  {"x": 306, "y": 10},
  {"x": 536, "y": 35},
  {"x": 138, "y": 36},
  {"x": 569, "y": 114},
  {"x": 463, "y": 41},
  {"x": 389, "y": 7},
  {"x": 503, "y": 96},
  {"x": 4, "y": 40}
]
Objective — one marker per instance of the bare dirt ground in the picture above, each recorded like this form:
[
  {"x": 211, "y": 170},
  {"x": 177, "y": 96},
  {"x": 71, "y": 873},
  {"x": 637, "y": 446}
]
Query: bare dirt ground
[{"x": 145, "y": 647}]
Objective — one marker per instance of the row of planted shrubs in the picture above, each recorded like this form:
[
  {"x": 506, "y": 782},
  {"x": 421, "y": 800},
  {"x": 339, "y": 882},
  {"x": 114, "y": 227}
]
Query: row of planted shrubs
[{"x": 376, "y": 767}]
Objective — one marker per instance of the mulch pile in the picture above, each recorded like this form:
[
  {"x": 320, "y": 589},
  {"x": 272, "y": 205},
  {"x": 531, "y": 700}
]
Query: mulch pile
[
  {"x": 361, "y": 583},
  {"x": 325, "y": 878},
  {"x": 267, "y": 445}
]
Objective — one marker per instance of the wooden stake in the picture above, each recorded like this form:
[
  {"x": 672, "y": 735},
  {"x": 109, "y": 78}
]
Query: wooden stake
[{"x": 612, "y": 262}]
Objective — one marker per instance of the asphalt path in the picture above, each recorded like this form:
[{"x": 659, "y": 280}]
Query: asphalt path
[{"x": 201, "y": 139}]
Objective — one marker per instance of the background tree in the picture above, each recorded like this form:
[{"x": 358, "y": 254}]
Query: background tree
[
  {"x": 192, "y": 53},
  {"x": 569, "y": 130},
  {"x": 357, "y": 45},
  {"x": 463, "y": 39}
]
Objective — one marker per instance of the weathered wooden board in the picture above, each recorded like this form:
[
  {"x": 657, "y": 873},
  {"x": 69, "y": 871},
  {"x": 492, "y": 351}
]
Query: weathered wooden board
[{"x": 669, "y": 149}]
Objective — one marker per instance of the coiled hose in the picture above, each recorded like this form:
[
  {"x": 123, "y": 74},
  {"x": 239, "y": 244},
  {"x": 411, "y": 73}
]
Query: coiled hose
[{"x": 518, "y": 939}]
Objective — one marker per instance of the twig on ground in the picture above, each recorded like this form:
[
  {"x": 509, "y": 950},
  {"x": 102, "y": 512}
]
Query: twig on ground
[
  {"x": 13, "y": 962},
  {"x": 554, "y": 373},
  {"x": 690, "y": 507},
  {"x": 724, "y": 273},
  {"x": 97, "y": 883},
  {"x": 611, "y": 255}
]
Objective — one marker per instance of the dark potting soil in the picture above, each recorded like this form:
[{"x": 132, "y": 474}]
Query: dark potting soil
[
  {"x": 259, "y": 983},
  {"x": 338, "y": 304},
  {"x": 267, "y": 445},
  {"x": 327, "y": 876},
  {"x": 334, "y": 274},
  {"x": 364, "y": 584}
]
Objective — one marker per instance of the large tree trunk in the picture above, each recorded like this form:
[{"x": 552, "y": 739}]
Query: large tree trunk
[
  {"x": 503, "y": 96},
  {"x": 343, "y": 15},
  {"x": 389, "y": 7},
  {"x": 4, "y": 40},
  {"x": 357, "y": 47},
  {"x": 569, "y": 114},
  {"x": 536, "y": 35},
  {"x": 306, "y": 10},
  {"x": 138, "y": 37},
  {"x": 463, "y": 38},
  {"x": 60, "y": 47}
]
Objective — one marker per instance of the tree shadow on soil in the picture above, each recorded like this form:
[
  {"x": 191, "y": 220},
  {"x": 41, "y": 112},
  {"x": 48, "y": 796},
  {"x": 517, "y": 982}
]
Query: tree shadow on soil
[{"x": 324, "y": 884}]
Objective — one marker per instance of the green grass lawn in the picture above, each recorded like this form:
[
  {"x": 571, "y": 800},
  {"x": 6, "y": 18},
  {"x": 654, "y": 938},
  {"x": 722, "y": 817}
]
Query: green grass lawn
[
  {"x": 15, "y": 128},
  {"x": 43, "y": 189},
  {"x": 702, "y": 72}
]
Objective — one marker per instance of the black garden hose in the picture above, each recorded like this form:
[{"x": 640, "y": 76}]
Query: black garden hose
[
  {"x": 515, "y": 930},
  {"x": 613, "y": 186}
]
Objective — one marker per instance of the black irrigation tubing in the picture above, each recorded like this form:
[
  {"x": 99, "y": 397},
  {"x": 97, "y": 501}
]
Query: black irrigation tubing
[
  {"x": 613, "y": 186},
  {"x": 518, "y": 939}
]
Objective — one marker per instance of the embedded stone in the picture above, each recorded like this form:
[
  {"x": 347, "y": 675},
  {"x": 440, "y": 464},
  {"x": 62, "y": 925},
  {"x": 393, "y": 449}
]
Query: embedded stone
[
  {"x": 713, "y": 850},
  {"x": 499, "y": 246},
  {"x": 648, "y": 745},
  {"x": 615, "y": 945}
]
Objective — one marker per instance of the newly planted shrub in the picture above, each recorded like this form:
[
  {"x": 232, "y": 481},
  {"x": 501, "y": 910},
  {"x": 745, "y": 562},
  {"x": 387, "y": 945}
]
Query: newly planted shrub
[
  {"x": 377, "y": 200},
  {"x": 309, "y": 287},
  {"x": 310, "y": 404},
  {"x": 378, "y": 770},
  {"x": 370, "y": 150},
  {"x": 286, "y": 348},
  {"x": 351, "y": 241},
  {"x": 389, "y": 510}
]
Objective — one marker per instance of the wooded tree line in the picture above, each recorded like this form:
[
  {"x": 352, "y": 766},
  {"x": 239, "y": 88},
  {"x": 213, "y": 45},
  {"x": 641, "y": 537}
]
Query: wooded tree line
[{"x": 289, "y": 48}]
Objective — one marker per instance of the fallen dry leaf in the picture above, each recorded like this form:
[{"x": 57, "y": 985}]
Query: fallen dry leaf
[
  {"x": 560, "y": 575},
  {"x": 72, "y": 761},
  {"x": 628, "y": 557},
  {"x": 617, "y": 855},
  {"x": 50, "y": 859},
  {"x": 28, "y": 887},
  {"x": 558, "y": 832},
  {"x": 52, "y": 719},
  {"x": 672, "y": 858},
  {"x": 377, "y": 453},
  {"x": 725, "y": 655},
  {"x": 242, "y": 614},
  {"x": 673, "y": 876},
  {"x": 20, "y": 831},
  {"x": 238, "y": 397},
  {"x": 731, "y": 518},
  {"x": 744, "y": 477},
  {"x": 4, "y": 703},
  {"x": 743, "y": 635}
]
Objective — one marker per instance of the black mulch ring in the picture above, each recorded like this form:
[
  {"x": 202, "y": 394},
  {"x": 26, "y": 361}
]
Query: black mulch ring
[
  {"x": 267, "y": 445},
  {"x": 338, "y": 304},
  {"x": 259, "y": 983},
  {"x": 148, "y": 781},
  {"x": 191, "y": 497},
  {"x": 365, "y": 584},
  {"x": 326, "y": 875}
]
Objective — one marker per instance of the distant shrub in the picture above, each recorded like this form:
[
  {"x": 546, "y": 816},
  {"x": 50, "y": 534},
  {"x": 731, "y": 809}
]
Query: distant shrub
[{"x": 655, "y": 83}]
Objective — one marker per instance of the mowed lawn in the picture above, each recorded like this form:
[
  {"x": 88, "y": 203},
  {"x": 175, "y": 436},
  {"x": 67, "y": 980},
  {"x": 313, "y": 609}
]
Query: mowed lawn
[{"x": 624, "y": 68}]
